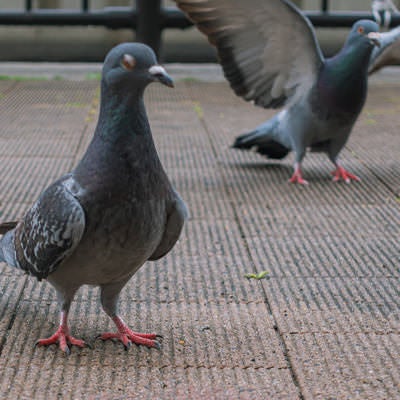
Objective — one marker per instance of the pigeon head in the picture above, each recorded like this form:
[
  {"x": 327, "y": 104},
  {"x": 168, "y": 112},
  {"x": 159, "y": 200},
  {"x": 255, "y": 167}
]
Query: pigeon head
[
  {"x": 131, "y": 67},
  {"x": 364, "y": 33}
]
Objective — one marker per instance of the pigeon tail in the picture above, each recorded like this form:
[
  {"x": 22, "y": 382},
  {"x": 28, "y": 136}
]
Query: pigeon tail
[
  {"x": 7, "y": 226},
  {"x": 2, "y": 258},
  {"x": 263, "y": 140},
  {"x": 7, "y": 250},
  {"x": 5, "y": 242}
]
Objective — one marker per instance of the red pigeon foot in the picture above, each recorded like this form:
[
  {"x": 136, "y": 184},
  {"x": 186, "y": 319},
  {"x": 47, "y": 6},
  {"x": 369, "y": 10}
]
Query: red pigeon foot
[
  {"x": 297, "y": 177},
  {"x": 341, "y": 174},
  {"x": 63, "y": 339},
  {"x": 127, "y": 336}
]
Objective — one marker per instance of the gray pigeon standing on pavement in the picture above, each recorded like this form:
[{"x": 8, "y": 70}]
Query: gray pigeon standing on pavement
[
  {"x": 270, "y": 55},
  {"x": 117, "y": 209}
]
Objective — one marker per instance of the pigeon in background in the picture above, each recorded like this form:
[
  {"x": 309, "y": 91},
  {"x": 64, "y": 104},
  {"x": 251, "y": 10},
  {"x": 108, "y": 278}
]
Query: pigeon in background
[
  {"x": 117, "y": 209},
  {"x": 270, "y": 55},
  {"x": 382, "y": 11},
  {"x": 388, "y": 53}
]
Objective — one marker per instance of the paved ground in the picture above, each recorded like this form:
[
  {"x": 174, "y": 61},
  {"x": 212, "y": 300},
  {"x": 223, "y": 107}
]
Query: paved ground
[{"x": 323, "y": 324}]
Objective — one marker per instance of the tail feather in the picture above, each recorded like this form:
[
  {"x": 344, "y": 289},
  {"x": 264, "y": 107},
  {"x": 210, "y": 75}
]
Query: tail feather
[
  {"x": 265, "y": 138},
  {"x": 262, "y": 144},
  {"x": 7, "y": 226},
  {"x": 7, "y": 253},
  {"x": 7, "y": 250}
]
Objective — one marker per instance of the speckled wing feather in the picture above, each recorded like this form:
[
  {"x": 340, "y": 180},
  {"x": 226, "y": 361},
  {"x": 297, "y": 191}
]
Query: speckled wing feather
[
  {"x": 267, "y": 48},
  {"x": 50, "y": 231}
]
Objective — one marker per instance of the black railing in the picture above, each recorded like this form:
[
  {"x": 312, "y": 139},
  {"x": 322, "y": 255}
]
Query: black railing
[{"x": 148, "y": 18}]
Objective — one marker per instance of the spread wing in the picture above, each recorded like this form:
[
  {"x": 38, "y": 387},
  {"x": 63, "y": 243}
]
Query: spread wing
[
  {"x": 267, "y": 48},
  {"x": 50, "y": 231}
]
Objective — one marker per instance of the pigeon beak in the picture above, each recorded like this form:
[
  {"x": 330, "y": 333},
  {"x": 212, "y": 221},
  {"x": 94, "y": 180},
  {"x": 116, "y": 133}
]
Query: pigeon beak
[
  {"x": 158, "y": 73},
  {"x": 374, "y": 38}
]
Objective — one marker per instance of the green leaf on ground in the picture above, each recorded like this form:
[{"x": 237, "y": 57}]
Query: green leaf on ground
[{"x": 261, "y": 275}]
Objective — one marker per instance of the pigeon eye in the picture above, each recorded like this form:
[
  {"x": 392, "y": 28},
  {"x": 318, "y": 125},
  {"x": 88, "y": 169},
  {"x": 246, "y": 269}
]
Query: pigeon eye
[
  {"x": 360, "y": 30},
  {"x": 128, "y": 62}
]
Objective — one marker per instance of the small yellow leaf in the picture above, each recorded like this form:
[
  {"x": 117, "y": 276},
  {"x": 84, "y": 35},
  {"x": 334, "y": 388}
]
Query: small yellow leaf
[{"x": 260, "y": 275}]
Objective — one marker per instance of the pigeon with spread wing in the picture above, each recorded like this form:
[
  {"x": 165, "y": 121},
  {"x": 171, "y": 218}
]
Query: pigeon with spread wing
[{"x": 270, "y": 55}]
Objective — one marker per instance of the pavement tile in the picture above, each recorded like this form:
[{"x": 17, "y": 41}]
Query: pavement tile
[
  {"x": 377, "y": 132},
  {"x": 147, "y": 383},
  {"x": 194, "y": 335},
  {"x": 24, "y": 181},
  {"x": 10, "y": 292},
  {"x": 224, "y": 123},
  {"x": 325, "y": 321},
  {"x": 229, "y": 339},
  {"x": 208, "y": 264},
  {"x": 335, "y": 305},
  {"x": 346, "y": 366},
  {"x": 60, "y": 103},
  {"x": 326, "y": 256}
]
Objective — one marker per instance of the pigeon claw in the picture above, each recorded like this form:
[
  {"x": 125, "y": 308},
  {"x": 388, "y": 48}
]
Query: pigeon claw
[
  {"x": 298, "y": 178},
  {"x": 64, "y": 340},
  {"x": 127, "y": 337},
  {"x": 341, "y": 174}
]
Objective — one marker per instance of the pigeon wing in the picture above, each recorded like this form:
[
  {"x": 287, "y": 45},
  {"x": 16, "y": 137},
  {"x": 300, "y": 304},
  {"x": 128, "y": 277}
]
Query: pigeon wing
[
  {"x": 267, "y": 48},
  {"x": 50, "y": 231},
  {"x": 175, "y": 221}
]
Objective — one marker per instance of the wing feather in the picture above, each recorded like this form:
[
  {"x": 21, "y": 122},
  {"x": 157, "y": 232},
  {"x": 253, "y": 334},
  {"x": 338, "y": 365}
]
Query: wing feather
[
  {"x": 267, "y": 48},
  {"x": 50, "y": 230}
]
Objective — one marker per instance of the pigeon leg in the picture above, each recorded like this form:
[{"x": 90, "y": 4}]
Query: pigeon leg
[
  {"x": 127, "y": 336},
  {"x": 109, "y": 299},
  {"x": 340, "y": 173},
  {"x": 297, "y": 176},
  {"x": 62, "y": 336}
]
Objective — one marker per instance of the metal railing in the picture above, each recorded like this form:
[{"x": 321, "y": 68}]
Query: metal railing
[{"x": 148, "y": 18}]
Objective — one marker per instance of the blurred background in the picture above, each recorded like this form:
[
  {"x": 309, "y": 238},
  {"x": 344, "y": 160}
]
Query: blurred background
[{"x": 39, "y": 43}]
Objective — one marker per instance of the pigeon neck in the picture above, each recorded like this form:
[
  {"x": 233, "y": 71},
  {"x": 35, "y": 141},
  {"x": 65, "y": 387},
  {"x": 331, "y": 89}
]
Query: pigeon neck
[
  {"x": 351, "y": 61},
  {"x": 342, "y": 84},
  {"x": 122, "y": 114}
]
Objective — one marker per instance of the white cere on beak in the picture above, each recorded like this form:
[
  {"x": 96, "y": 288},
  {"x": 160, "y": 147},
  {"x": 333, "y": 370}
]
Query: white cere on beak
[
  {"x": 375, "y": 37},
  {"x": 159, "y": 74},
  {"x": 157, "y": 70}
]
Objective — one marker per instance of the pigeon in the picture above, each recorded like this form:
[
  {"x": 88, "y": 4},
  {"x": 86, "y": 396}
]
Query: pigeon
[
  {"x": 98, "y": 224},
  {"x": 388, "y": 53},
  {"x": 382, "y": 11},
  {"x": 270, "y": 55}
]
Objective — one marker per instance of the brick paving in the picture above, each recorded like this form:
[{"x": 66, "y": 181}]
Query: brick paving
[{"x": 323, "y": 324}]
